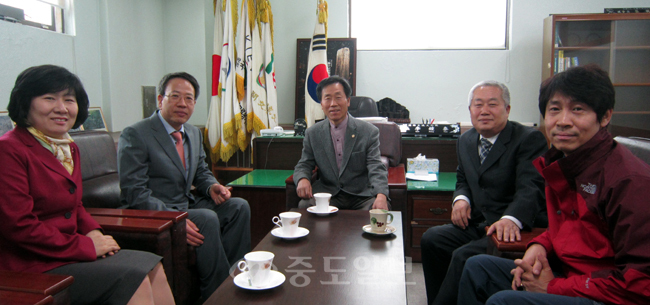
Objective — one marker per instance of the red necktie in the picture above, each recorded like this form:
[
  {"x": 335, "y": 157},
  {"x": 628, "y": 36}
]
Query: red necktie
[{"x": 178, "y": 136}]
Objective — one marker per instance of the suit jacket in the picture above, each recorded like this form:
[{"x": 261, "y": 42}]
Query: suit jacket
[
  {"x": 42, "y": 220},
  {"x": 152, "y": 176},
  {"x": 506, "y": 183},
  {"x": 362, "y": 172}
]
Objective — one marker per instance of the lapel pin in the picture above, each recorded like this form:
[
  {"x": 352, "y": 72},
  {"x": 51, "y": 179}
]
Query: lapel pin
[{"x": 352, "y": 136}]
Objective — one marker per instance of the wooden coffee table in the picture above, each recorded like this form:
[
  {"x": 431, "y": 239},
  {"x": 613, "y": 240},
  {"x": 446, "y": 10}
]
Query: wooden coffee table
[{"x": 337, "y": 263}]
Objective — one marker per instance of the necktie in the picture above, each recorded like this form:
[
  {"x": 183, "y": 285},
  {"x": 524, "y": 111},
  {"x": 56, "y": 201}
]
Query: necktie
[
  {"x": 485, "y": 149},
  {"x": 178, "y": 136}
]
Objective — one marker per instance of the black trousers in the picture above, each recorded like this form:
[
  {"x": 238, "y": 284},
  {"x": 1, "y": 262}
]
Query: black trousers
[{"x": 445, "y": 249}]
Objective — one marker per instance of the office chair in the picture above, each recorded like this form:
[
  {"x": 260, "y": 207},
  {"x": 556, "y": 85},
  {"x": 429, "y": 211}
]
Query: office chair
[{"x": 362, "y": 106}]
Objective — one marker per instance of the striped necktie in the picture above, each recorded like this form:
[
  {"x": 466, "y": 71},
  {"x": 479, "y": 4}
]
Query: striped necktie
[{"x": 485, "y": 149}]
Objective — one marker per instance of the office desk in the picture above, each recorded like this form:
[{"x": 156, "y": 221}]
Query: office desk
[
  {"x": 265, "y": 192},
  {"x": 443, "y": 149},
  {"x": 276, "y": 152},
  {"x": 284, "y": 152},
  {"x": 337, "y": 263},
  {"x": 429, "y": 204}
]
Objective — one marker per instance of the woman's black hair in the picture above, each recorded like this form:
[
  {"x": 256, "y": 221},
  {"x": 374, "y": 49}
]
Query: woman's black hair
[{"x": 40, "y": 80}]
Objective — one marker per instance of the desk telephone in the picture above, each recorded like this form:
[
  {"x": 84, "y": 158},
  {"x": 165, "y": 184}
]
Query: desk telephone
[{"x": 275, "y": 132}]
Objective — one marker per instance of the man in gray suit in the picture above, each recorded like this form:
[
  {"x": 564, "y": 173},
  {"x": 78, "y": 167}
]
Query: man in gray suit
[
  {"x": 346, "y": 151},
  {"x": 159, "y": 160},
  {"x": 497, "y": 186}
]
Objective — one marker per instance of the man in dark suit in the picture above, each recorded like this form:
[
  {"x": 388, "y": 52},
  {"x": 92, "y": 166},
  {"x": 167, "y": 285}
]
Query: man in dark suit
[
  {"x": 497, "y": 186},
  {"x": 346, "y": 151},
  {"x": 159, "y": 160}
]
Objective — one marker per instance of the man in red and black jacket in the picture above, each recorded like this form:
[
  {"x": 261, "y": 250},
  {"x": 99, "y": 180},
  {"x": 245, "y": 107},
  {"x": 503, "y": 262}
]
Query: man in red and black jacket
[{"x": 598, "y": 239}]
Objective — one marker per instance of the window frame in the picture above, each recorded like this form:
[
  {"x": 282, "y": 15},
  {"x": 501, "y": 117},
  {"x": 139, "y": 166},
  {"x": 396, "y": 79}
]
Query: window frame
[{"x": 59, "y": 13}]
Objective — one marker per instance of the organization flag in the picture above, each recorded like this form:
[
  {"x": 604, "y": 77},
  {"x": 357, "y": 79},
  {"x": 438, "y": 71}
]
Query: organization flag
[
  {"x": 258, "y": 118},
  {"x": 227, "y": 83},
  {"x": 212, "y": 134},
  {"x": 243, "y": 71},
  {"x": 269, "y": 66}
]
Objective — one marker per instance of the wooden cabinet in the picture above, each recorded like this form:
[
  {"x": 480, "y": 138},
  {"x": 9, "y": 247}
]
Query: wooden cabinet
[
  {"x": 429, "y": 205},
  {"x": 619, "y": 44},
  {"x": 429, "y": 209}
]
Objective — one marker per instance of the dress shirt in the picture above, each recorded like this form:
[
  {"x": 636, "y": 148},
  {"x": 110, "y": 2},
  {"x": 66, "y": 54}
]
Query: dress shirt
[
  {"x": 186, "y": 146},
  {"x": 338, "y": 139}
]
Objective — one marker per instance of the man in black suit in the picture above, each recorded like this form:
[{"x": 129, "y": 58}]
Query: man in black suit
[{"x": 497, "y": 186}]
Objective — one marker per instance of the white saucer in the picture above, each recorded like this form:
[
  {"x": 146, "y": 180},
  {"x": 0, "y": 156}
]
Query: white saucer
[
  {"x": 389, "y": 230},
  {"x": 332, "y": 210},
  {"x": 277, "y": 232},
  {"x": 275, "y": 279}
]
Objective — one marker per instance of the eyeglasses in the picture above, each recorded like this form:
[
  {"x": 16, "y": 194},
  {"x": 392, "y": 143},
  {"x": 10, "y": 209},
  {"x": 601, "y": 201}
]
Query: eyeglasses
[{"x": 177, "y": 98}]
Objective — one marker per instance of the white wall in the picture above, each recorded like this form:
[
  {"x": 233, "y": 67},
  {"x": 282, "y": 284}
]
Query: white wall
[
  {"x": 121, "y": 45},
  {"x": 22, "y": 47},
  {"x": 185, "y": 40},
  {"x": 133, "y": 56}
]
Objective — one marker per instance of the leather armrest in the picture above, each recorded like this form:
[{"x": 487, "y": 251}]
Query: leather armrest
[
  {"x": 175, "y": 217},
  {"x": 133, "y": 225},
  {"x": 397, "y": 177},
  {"x": 292, "y": 198},
  {"x": 290, "y": 180},
  {"x": 314, "y": 176},
  {"x": 42, "y": 283},
  {"x": 40, "y": 288},
  {"x": 24, "y": 298},
  {"x": 512, "y": 249},
  {"x": 397, "y": 190}
]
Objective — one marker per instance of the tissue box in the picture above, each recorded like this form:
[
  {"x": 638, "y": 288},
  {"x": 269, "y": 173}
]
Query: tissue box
[{"x": 431, "y": 166}]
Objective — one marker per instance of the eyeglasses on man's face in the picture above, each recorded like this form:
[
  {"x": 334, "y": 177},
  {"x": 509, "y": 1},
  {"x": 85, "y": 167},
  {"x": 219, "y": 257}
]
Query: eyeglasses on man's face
[{"x": 189, "y": 99}]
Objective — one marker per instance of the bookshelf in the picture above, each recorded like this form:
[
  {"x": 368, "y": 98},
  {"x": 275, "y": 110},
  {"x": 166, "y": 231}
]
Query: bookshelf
[{"x": 619, "y": 44}]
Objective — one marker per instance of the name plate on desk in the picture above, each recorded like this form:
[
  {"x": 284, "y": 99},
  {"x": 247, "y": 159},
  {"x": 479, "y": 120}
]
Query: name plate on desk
[{"x": 430, "y": 130}]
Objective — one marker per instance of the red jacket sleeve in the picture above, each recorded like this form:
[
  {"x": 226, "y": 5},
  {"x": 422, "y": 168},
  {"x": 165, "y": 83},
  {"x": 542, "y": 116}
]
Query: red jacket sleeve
[{"x": 543, "y": 239}]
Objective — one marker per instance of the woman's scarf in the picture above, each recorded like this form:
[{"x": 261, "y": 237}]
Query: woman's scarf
[{"x": 59, "y": 147}]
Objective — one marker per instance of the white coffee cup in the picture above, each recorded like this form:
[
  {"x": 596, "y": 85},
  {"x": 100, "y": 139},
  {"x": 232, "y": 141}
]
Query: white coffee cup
[
  {"x": 288, "y": 221},
  {"x": 322, "y": 202},
  {"x": 379, "y": 220},
  {"x": 258, "y": 265}
]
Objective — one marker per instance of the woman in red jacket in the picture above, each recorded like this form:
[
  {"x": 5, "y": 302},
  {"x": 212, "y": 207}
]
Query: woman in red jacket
[{"x": 43, "y": 224}]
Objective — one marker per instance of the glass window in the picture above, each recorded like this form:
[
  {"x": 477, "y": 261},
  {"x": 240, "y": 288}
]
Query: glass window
[
  {"x": 429, "y": 24},
  {"x": 45, "y": 14}
]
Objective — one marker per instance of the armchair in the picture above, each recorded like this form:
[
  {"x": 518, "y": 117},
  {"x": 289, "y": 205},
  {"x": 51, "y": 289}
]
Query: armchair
[
  {"x": 390, "y": 146},
  {"x": 640, "y": 147},
  {"x": 160, "y": 232},
  {"x": 362, "y": 106}
]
